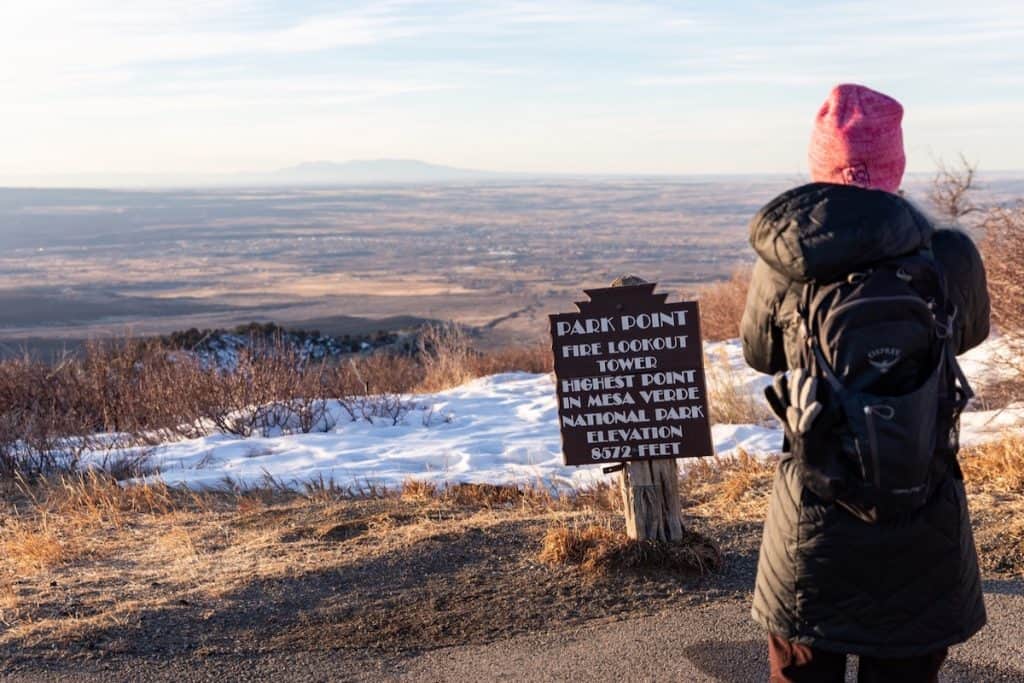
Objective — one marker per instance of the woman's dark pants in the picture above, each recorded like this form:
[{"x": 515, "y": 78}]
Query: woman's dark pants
[{"x": 793, "y": 663}]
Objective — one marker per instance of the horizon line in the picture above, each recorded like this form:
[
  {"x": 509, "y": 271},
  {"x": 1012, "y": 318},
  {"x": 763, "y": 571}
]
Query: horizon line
[{"x": 224, "y": 180}]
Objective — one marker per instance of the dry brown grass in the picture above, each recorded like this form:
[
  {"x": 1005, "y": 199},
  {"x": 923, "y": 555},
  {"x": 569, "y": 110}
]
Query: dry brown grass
[
  {"x": 729, "y": 398},
  {"x": 732, "y": 488},
  {"x": 720, "y": 490},
  {"x": 996, "y": 466},
  {"x": 994, "y": 475},
  {"x": 600, "y": 549},
  {"x": 722, "y": 304},
  {"x": 31, "y": 547},
  {"x": 604, "y": 496},
  {"x": 62, "y": 519},
  {"x": 117, "y": 554},
  {"x": 95, "y": 498},
  {"x": 122, "y": 551},
  {"x": 9, "y": 603}
]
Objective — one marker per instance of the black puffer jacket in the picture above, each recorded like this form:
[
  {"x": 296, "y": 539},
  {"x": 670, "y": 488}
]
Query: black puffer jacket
[{"x": 826, "y": 578}]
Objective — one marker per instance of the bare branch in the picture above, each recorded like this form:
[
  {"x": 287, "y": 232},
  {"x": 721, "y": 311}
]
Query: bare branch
[{"x": 952, "y": 188}]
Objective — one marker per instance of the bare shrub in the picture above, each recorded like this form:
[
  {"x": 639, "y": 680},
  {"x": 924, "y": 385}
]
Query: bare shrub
[
  {"x": 132, "y": 393},
  {"x": 535, "y": 359},
  {"x": 447, "y": 356},
  {"x": 377, "y": 373},
  {"x": 951, "y": 193},
  {"x": 1002, "y": 250},
  {"x": 722, "y": 304},
  {"x": 1002, "y": 247},
  {"x": 1002, "y": 244},
  {"x": 729, "y": 397},
  {"x": 260, "y": 392}
]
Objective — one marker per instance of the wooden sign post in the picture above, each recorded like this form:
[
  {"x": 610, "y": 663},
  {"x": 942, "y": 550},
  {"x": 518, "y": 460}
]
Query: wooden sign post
[{"x": 629, "y": 370}]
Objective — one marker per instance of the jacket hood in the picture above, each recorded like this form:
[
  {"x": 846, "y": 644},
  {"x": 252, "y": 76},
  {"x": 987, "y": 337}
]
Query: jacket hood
[{"x": 822, "y": 231}]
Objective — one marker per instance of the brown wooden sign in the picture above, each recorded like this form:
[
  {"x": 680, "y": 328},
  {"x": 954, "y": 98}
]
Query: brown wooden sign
[{"x": 629, "y": 370}]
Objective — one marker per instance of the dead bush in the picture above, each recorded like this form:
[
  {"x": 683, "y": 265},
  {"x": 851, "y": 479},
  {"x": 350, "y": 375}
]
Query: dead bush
[
  {"x": 378, "y": 373},
  {"x": 722, "y": 304},
  {"x": 729, "y": 397},
  {"x": 952, "y": 192},
  {"x": 268, "y": 391},
  {"x": 1002, "y": 242},
  {"x": 533, "y": 359},
  {"x": 119, "y": 395},
  {"x": 447, "y": 356},
  {"x": 1002, "y": 248}
]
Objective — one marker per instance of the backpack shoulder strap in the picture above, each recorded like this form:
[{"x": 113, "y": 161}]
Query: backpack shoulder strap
[
  {"x": 813, "y": 359},
  {"x": 946, "y": 330}
]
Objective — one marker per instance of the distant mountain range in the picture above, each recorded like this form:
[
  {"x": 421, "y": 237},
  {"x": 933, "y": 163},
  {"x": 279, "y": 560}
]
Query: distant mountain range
[{"x": 356, "y": 172}]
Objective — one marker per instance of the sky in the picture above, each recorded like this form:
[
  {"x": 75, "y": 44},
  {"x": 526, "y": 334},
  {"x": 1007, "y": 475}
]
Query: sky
[{"x": 222, "y": 86}]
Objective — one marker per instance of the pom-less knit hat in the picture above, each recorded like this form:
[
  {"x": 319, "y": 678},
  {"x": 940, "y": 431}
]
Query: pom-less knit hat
[{"x": 857, "y": 139}]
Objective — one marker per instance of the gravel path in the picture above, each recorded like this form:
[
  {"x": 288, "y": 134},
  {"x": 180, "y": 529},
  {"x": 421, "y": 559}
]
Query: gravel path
[{"x": 711, "y": 642}]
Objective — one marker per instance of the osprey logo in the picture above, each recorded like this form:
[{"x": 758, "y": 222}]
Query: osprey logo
[{"x": 885, "y": 357}]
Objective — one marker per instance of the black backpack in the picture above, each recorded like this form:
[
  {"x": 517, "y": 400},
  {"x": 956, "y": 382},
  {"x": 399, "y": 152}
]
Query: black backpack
[{"x": 881, "y": 343}]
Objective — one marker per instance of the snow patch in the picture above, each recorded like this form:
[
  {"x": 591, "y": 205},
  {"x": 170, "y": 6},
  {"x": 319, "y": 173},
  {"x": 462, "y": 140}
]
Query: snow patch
[{"x": 498, "y": 429}]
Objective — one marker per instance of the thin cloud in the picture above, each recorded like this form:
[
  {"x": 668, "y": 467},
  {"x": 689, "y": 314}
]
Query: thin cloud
[
  {"x": 726, "y": 79},
  {"x": 217, "y": 83}
]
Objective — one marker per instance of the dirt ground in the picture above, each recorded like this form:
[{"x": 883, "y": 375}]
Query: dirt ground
[
  {"x": 384, "y": 576},
  {"x": 94, "y": 575}
]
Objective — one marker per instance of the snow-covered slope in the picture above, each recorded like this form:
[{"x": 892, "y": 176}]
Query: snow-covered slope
[{"x": 496, "y": 429}]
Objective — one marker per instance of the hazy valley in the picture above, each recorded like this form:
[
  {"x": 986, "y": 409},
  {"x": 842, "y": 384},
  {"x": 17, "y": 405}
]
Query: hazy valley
[{"x": 497, "y": 255}]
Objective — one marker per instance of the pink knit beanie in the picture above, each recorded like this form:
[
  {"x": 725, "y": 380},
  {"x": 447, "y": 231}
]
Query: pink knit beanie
[{"x": 857, "y": 139}]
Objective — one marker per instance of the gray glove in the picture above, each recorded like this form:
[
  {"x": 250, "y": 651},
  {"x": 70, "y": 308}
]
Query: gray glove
[
  {"x": 794, "y": 400},
  {"x": 810, "y": 421}
]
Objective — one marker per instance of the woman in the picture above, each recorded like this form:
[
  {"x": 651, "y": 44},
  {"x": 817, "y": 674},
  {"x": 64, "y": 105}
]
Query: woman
[{"x": 829, "y": 583}]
